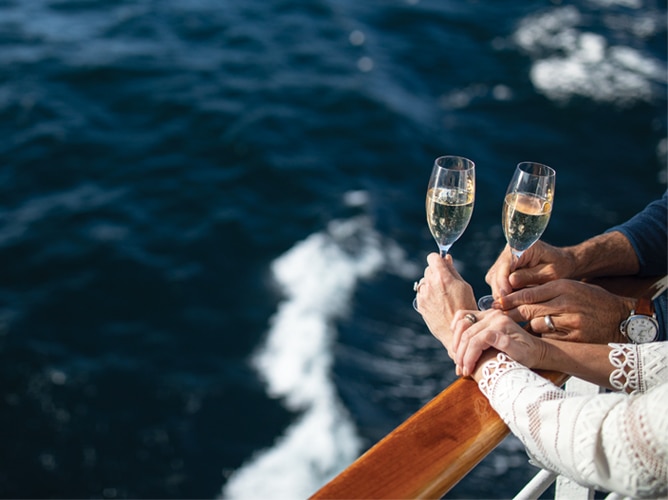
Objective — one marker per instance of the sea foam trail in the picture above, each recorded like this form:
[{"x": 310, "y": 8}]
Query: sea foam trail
[
  {"x": 569, "y": 61},
  {"x": 318, "y": 277}
]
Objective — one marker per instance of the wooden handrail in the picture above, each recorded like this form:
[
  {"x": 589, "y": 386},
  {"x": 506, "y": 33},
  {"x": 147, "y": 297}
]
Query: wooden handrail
[
  {"x": 428, "y": 453},
  {"x": 436, "y": 447}
]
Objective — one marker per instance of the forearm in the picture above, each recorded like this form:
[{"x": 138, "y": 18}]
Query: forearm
[
  {"x": 588, "y": 362},
  {"x": 608, "y": 254},
  {"x": 621, "y": 367},
  {"x": 590, "y": 448}
]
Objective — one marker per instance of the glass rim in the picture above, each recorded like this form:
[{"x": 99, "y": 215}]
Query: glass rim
[
  {"x": 544, "y": 170},
  {"x": 455, "y": 162}
]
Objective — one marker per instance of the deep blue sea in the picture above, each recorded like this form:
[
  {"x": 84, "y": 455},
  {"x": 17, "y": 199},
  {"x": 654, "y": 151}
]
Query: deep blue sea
[{"x": 212, "y": 215}]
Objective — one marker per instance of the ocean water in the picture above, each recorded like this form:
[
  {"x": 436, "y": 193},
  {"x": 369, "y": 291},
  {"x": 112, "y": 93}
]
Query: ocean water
[{"x": 212, "y": 214}]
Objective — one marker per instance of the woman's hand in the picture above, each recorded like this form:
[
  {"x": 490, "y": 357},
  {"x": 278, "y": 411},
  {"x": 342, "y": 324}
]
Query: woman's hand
[
  {"x": 440, "y": 294},
  {"x": 476, "y": 331}
]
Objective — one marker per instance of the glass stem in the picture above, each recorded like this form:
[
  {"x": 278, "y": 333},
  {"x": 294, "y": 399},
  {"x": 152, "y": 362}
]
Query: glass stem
[
  {"x": 515, "y": 257},
  {"x": 443, "y": 250}
]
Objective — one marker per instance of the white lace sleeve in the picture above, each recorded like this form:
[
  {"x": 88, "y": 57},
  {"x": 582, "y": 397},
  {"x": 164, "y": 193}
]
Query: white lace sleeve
[
  {"x": 638, "y": 367},
  {"x": 615, "y": 442}
]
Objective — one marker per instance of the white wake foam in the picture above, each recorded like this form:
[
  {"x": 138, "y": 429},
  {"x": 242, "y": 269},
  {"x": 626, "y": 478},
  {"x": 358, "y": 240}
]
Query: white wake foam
[
  {"x": 318, "y": 276},
  {"x": 569, "y": 61}
]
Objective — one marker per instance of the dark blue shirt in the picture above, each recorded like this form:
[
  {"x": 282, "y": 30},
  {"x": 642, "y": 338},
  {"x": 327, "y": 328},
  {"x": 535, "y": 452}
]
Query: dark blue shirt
[{"x": 648, "y": 233}]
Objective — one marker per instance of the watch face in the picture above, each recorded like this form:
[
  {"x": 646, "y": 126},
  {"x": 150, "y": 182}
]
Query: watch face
[{"x": 641, "y": 329}]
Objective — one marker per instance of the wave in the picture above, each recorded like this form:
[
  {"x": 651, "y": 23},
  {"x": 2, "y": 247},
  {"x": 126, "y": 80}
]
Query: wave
[
  {"x": 318, "y": 277},
  {"x": 569, "y": 61}
]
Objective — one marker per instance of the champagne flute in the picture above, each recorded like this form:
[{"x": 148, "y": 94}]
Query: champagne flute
[
  {"x": 449, "y": 202},
  {"x": 526, "y": 211}
]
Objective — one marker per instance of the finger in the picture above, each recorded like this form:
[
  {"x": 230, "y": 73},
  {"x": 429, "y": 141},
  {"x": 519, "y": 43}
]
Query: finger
[
  {"x": 456, "y": 317},
  {"x": 484, "y": 340},
  {"x": 531, "y": 269},
  {"x": 517, "y": 314},
  {"x": 434, "y": 259},
  {"x": 444, "y": 269},
  {"x": 531, "y": 295},
  {"x": 457, "y": 328},
  {"x": 501, "y": 286},
  {"x": 477, "y": 338},
  {"x": 427, "y": 271},
  {"x": 461, "y": 325},
  {"x": 467, "y": 334},
  {"x": 545, "y": 324},
  {"x": 522, "y": 278},
  {"x": 449, "y": 264},
  {"x": 420, "y": 285},
  {"x": 497, "y": 276}
]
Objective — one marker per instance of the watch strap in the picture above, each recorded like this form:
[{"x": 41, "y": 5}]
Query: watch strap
[{"x": 644, "y": 306}]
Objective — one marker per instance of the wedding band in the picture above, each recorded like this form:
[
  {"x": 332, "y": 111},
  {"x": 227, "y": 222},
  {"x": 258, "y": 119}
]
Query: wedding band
[
  {"x": 471, "y": 318},
  {"x": 549, "y": 323},
  {"x": 415, "y": 286}
]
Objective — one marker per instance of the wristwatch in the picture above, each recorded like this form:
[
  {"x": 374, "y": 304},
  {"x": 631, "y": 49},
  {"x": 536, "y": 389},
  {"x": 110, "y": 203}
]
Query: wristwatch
[{"x": 641, "y": 325}]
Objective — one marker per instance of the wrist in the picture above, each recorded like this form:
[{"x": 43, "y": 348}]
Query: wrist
[
  {"x": 580, "y": 258},
  {"x": 626, "y": 306},
  {"x": 551, "y": 355},
  {"x": 487, "y": 356},
  {"x": 572, "y": 258},
  {"x": 640, "y": 326}
]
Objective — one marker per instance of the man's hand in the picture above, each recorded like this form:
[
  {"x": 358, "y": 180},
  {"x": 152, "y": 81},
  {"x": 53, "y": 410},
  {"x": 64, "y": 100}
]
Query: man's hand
[
  {"x": 540, "y": 263},
  {"x": 580, "y": 312}
]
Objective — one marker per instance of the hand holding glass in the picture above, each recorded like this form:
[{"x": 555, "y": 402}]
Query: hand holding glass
[
  {"x": 526, "y": 211},
  {"x": 450, "y": 199}
]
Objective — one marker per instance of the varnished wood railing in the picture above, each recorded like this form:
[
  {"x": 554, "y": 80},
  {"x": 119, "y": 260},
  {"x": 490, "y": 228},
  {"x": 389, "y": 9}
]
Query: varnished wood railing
[
  {"x": 428, "y": 453},
  {"x": 437, "y": 446}
]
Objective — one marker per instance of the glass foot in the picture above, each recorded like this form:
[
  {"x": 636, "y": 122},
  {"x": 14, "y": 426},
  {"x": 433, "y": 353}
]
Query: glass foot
[{"x": 485, "y": 302}]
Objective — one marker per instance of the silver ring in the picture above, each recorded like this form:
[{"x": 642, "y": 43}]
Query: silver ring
[
  {"x": 471, "y": 318},
  {"x": 549, "y": 323},
  {"x": 415, "y": 286}
]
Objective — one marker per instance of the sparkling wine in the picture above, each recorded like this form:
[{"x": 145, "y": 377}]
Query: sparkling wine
[
  {"x": 525, "y": 217},
  {"x": 448, "y": 213}
]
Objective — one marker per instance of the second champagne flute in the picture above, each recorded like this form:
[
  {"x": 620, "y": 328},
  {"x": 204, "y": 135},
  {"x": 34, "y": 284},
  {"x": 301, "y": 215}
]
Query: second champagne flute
[
  {"x": 450, "y": 199},
  {"x": 526, "y": 211}
]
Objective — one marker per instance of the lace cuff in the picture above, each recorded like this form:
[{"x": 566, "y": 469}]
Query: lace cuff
[
  {"x": 493, "y": 369},
  {"x": 625, "y": 375},
  {"x": 638, "y": 367}
]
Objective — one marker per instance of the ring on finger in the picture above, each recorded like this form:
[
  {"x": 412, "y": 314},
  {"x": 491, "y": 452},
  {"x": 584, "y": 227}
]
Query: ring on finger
[
  {"x": 471, "y": 318},
  {"x": 549, "y": 323}
]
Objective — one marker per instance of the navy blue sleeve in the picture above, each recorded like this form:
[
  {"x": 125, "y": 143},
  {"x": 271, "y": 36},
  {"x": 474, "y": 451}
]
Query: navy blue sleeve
[
  {"x": 660, "y": 310},
  {"x": 648, "y": 235}
]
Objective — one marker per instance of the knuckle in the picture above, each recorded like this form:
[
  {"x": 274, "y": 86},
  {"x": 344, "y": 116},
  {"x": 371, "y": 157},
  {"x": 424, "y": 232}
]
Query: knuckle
[
  {"x": 530, "y": 295},
  {"x": 525, "y": 312},
  {"x": 496, "y": 315}
]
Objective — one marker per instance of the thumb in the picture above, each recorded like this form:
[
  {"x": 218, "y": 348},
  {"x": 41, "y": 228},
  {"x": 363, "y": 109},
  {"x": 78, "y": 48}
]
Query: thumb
[{"x": 521, "y": 278}]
